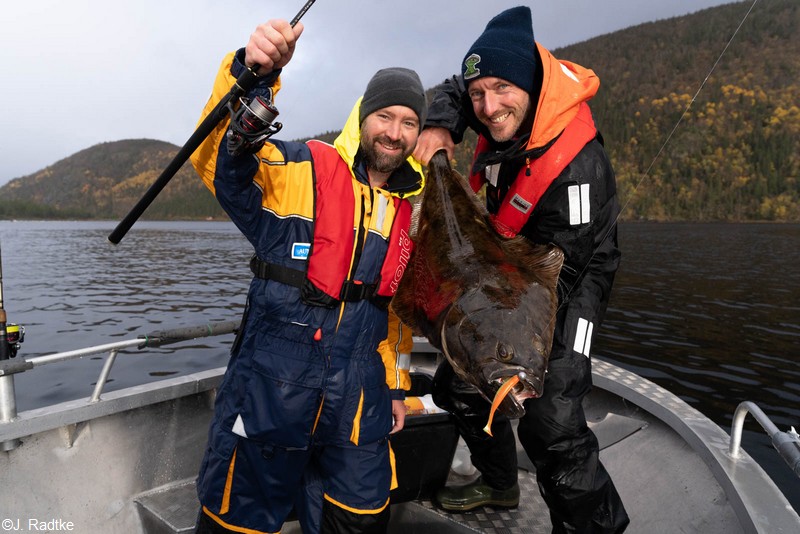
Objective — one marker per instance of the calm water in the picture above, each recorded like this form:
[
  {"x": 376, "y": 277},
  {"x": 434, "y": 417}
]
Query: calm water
[
  {"x": 711, "y": 312},
  {"x": 71, "y": 288}
]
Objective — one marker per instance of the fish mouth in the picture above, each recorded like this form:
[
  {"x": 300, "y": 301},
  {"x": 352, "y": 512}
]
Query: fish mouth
[{"x": 528, "y": 387}]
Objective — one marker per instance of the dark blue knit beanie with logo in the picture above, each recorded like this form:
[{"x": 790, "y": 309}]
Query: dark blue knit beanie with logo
[{"x": 505, "y": 49}]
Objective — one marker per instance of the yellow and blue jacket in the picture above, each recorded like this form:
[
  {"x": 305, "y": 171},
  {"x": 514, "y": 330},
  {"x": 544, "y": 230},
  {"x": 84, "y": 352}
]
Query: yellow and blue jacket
[{"x": 329, "y": 252}]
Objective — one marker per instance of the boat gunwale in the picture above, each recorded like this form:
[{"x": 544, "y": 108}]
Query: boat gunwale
[
  {"x": 756, "y": 500},
  {"x": 81, "y": 410}
]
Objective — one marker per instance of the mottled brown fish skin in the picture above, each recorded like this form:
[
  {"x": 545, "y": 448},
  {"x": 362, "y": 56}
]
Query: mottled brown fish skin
[{"x": 487, "y": 302}]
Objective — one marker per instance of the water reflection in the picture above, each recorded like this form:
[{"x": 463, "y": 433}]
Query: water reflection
[{"x": 713, "y": 311}]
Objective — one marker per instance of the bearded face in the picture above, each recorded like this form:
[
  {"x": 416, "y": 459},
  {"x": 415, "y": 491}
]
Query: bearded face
[
  {"x": 382, "y": 154},
  {"x": 388, "y": 136}
]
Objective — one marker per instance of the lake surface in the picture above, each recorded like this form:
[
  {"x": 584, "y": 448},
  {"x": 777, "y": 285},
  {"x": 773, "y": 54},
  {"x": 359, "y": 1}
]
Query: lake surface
[
  {"x": 709, "y": 311},
  {"x": 71, "y": 288},
  {"x": 712, "y": 313}
]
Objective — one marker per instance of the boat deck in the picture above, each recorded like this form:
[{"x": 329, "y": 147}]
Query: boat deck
[
  {"x": 424, "y": 517},
  {"x": 669, "y": 463},
  {"x": 666, "y": 488}
]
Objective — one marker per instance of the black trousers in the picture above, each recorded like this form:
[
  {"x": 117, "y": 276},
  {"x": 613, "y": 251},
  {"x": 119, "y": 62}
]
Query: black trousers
[{"x": 572, "y": 480}]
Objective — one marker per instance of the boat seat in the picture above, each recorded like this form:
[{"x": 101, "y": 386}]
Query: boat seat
[{"x": 169, "y": 509}]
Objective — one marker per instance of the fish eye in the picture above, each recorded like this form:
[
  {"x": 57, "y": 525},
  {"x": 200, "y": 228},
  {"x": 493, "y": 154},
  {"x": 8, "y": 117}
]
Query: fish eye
[{"x": 505, "y": 353}]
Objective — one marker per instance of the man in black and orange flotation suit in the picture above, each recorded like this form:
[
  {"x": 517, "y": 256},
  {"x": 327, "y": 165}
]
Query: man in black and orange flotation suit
[
  {"x": 315, "y": 383},
  {"x": 547, "y": 178}
]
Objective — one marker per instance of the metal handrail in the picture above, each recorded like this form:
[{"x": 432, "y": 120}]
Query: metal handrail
[
  {"x": 37, "y": 361},
  {"x": 8, "y": 368},
  {"x": 786, "y": 443}
]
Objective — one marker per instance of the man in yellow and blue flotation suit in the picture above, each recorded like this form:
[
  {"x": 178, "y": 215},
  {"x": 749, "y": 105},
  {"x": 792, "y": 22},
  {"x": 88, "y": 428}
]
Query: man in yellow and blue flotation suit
[
  {"x": 549, "y": 179},
  {"x": 314, "y": 381}
]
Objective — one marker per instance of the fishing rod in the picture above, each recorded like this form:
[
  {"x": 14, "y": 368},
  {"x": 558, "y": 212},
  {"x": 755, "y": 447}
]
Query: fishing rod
[
  {"x": 246, "y": 81},
  {"x": 11, "y": 335},
  {"x": 5, "y": 351}
]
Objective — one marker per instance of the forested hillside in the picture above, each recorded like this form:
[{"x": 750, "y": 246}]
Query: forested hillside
[
  {"x": 686, "y": 145},
  {"x": 105, "y": 181},
  {"x": 735, "y": 154}
]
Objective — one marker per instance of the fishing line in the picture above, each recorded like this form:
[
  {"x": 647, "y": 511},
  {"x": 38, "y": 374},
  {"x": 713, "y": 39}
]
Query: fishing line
[
  {"x": 685, "y": 111},
  {"x": 655, "y": 158}
]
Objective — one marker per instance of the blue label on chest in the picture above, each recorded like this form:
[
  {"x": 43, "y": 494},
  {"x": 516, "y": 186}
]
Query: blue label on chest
[{"x": 300, "y": 251}]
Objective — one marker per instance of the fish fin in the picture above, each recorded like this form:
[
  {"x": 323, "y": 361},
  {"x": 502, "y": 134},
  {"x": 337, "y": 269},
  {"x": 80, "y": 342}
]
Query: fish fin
[
  {"x": 416, "y": 208},
  {"x": 439, "y": 164},
  {"x": 543, "y": 260}
]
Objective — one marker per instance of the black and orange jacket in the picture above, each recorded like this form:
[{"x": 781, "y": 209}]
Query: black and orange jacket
[{"x": 572, "y": 204}]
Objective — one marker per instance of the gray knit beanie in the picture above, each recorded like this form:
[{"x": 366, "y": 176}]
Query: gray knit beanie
[{"x": 395, "y": 86}]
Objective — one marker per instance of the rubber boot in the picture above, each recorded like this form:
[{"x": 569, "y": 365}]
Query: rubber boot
[{"x": 475, "y": 494}]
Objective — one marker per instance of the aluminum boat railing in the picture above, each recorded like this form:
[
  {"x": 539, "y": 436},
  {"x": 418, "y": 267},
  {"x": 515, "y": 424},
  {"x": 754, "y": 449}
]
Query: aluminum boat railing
[
  {"x": 10, "y": 367},
  {"x": 786, "y": 443}
]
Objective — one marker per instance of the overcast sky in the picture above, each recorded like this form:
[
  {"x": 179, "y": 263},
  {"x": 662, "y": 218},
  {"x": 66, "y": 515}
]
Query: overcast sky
[{"x": 81, "y": 72}]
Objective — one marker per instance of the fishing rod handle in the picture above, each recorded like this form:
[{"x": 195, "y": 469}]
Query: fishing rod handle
[{"x": 254, "y": 69}]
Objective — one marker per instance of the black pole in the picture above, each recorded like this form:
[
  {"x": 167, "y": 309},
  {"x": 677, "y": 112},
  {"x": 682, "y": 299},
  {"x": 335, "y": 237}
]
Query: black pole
[
  {"x": 5, "y": 351},
  {"x": 243, "y": 84}
]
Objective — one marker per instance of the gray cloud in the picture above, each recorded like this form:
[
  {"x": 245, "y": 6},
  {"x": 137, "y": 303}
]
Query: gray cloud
[{"x": 84, "y": 72}]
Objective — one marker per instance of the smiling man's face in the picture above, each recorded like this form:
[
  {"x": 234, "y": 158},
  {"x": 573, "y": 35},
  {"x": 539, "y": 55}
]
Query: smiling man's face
[{"x": 500, "y": 105}]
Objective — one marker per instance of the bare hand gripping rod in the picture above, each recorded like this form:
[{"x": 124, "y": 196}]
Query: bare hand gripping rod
[{"x": 243, "y": 84}]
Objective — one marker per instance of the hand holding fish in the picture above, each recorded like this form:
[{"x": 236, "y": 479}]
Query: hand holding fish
[
  {"x": 272, "y": 44},
  {"x": 432, "y": 140}
]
